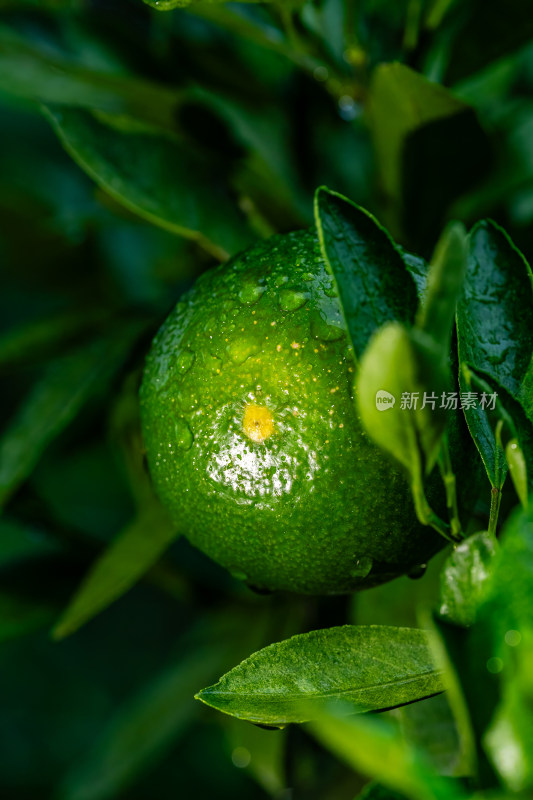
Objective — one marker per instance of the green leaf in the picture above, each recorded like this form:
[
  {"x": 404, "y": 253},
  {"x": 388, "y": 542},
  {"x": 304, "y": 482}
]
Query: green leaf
[
  {"x": 399, "y": 365},
  {"x": 32, "y": 73},
  {"x": 482, "y": 427},
  {"x": 152, "y": 174},
  {"x": 375, "y": 791},
  {"x": 134, "y": 551},
  {"x": 418, "y": 267},
  {"x": 502, "y": 431},
  {"x": 465, "y": 577},
  {"x": 374, "y": 748},
  {"x": 493, "y": 314},
  {"x": 369, "y": 272},
  {"x": 509, "y": 605},
  {"x": 54, "y": 402},
  {"x": 445, "y": 282},
  {"x": 429, "y": 726},
  {"x": 424, "y": 138},
  {"x": 494, "y": 335},
  {"x": 508, "y": 739},
  {"x": 471, "y": 688},
  {"x": 373, "y": 667},
  {"x": 506, "y": 620},
  {"x": 402, "y": 101}
]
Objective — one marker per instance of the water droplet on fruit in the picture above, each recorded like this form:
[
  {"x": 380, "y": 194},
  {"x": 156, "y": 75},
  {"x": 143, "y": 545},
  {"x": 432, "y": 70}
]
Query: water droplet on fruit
[
  {"x": 291, "y": 300},
  {"x": 184, "y": 435},
  {"x": 213, "y": 363},
  {"x": 322, "y": 329},
  {"x": 185, "y": 361},
  {"x": 417, "y": 572},
  {"x": 362, "y": 567},
  {"x": 251, "y": 293},
  {"x": 241, "y": 349}
]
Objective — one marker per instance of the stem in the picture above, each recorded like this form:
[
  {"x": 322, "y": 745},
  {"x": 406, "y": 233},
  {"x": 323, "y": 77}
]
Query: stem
[
  {"x": 450, "y": 485},
  {"x": 496, "y": 491},
  {"x": 426, "y": 515},
  {"x": 495, "y": 500},
  {"x": 351, "y": 16},
  {"x": 287, "y": 19},
  {"x": 412, "y": 25}
]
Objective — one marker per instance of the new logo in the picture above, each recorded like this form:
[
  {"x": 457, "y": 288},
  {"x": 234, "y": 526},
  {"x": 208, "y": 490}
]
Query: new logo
[{"x": 384, "y": 400}]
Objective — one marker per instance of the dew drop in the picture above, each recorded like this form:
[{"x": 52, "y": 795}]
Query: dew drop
[
  {"x": 417, "y": 572},
  {"x": 185, "y": 361},
  {"x": 251, "y": 293},
  {"x": 362, "y": 567},
  {"x": 184, "y": 436},
  {"x": 291, "y": 300},
  {"x": 241, "y": 349},
  {"x": 213, "y": 363}
]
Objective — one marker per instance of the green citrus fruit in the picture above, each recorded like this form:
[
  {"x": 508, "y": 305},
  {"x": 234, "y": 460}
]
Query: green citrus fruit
[{"x": 252, "y": 439}]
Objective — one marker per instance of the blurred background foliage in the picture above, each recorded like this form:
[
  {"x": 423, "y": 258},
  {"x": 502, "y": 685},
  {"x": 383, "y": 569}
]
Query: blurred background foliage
[{"x": 197, "y": 131}]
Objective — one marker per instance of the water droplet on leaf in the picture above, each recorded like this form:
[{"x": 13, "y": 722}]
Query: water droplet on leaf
[{"x": 322, "y": 329}]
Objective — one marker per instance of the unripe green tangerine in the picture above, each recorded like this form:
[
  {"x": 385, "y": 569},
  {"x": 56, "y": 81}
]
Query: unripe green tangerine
[{"x": 252, "y": 437}]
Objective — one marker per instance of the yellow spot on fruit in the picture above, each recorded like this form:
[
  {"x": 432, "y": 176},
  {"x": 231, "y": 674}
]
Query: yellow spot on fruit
[{"x": 257, "y": 423}]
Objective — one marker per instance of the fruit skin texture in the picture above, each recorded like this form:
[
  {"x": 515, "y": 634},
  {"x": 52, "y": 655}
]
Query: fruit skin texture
[{"x": 252, "y": 437}]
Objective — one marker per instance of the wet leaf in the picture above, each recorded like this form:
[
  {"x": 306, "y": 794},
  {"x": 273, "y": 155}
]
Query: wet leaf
[
  {"x": 493, "y": 314},
  {"x": 371, "y": 667},
  {"x": 502, "y": 432},
  {"x": 155, "y": 176},
  {"x": 445, "y": 282},
  {"x": 465, "y": 577},
  {"x": 373, "y": 284}
]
